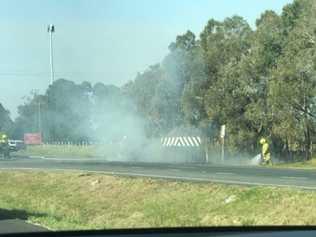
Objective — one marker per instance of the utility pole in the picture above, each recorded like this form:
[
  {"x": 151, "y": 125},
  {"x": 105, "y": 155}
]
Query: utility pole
[
  {"x": 39, "y": 118},
  {"x": 51, "y": 30}
]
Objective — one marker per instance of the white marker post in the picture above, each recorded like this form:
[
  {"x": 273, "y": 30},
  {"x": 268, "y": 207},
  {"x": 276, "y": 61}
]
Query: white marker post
[
  {"x": 222, "y": 136},
  {"x": 206, "y": 142}
]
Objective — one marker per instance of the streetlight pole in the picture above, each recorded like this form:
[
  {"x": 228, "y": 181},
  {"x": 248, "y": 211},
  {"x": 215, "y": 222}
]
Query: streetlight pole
[
  {"x": 39, "y": 118},
  {"x": 51, "y": 30}
]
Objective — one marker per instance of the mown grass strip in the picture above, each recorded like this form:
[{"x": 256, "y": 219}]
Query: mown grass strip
[{"x": 63, "y": 201}]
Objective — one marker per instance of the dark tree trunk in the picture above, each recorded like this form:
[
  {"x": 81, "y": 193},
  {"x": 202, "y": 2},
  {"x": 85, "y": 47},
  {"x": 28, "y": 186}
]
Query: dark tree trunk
[
  {"x": 307, "y": 142},
  {"x": 289, "y": 155}
]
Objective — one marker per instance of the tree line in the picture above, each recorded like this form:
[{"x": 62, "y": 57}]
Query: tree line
[{"x": 258, "y": 82}]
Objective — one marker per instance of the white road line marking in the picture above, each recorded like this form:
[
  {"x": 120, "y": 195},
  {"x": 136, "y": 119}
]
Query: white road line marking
[
  {"x": 292, "y": 177},
  {"x": 224, "y": 173},
  {"x": 37, "y": 157},
  {"x": 169, "y": 177},
  {"x": 177, "y": 170},
  {"x": 66, "y": 159}
]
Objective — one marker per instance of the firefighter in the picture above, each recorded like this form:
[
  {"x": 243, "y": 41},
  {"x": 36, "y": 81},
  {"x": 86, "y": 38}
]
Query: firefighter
[
  {"x": 4, "y": 145},
  {"x": 265, "y": 152}
]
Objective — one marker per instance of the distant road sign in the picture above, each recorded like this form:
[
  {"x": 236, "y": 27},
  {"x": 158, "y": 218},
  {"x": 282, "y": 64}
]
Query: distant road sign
[{"x": 32, "y": 138}]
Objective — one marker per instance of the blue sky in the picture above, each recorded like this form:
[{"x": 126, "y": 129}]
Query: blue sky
[{"x": 99, "y": 40}]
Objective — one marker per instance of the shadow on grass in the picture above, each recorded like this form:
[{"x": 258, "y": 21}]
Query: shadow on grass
[{"x": 6, "y": 214}]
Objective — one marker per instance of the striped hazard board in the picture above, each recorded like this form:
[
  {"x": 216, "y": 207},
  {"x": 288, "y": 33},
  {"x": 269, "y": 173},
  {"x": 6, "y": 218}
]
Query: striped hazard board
[{"x": 181, "y": 141}]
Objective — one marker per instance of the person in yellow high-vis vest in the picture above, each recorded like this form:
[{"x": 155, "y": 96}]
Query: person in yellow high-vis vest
[
  {"x": 265, "y": 152},
  {"x": 4, "y": 145}
]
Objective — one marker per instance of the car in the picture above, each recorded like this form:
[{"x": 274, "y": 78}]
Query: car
[{"x": 16, "y": 145}]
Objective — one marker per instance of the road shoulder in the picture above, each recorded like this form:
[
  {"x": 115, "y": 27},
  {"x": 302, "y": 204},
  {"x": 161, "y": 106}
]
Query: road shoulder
[{"x": 19, "y": 226}]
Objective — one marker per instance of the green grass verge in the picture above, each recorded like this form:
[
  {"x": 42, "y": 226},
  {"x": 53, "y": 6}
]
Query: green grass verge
[
  {"x": 311, "y": 164},
  {"x": 63, "y": 201},
  {"x": 69, "y": 151}
]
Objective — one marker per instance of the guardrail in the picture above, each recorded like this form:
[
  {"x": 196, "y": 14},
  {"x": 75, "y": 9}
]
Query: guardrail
[{"x": 63, "y": 143}]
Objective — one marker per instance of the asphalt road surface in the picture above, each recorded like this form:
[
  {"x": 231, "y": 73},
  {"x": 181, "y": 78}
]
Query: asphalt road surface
[
  {"x": 241, "y": 175},
  {"x": 11, "y": 226}
]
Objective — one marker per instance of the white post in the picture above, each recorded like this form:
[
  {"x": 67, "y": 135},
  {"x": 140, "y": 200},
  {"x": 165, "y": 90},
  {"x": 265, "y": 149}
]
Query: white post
[
  {"x": 222, "y": 135},
  {"x": 223, "y": 148},
  {"x": 206, "y": 143}
]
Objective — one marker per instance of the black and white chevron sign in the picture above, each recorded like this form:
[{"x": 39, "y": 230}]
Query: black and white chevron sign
[{"x": 181, "y": 141}]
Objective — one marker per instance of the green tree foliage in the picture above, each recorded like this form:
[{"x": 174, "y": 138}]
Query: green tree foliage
[
  {"x": 258, "y": 82},
  {"x": 78, "y": 112},
  {"x": 68, "y": 107},
  {"x": 6, "y": 123},
  {"x": 292, "y": 88},
  {"x": 63, "y": 107},
  {"x": 29, "y": 120}
]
